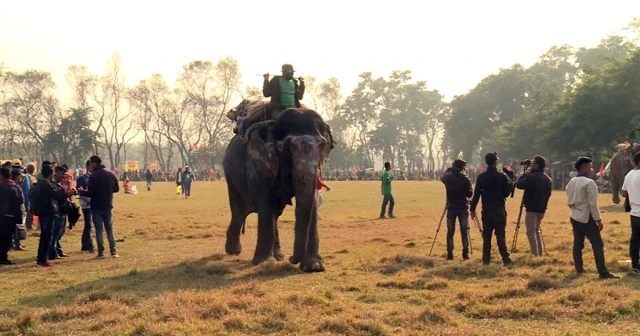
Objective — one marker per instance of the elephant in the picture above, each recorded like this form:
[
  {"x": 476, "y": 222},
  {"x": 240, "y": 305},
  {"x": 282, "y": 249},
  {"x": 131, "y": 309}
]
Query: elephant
[
  {"x": 274, "y": 162},
  {"x": 621, "y": 164}
]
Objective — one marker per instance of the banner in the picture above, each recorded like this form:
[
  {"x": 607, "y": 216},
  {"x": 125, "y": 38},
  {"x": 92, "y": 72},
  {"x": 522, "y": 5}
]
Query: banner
[
  {"x": 131, "y": 165},
  {"x": 153, "y": 166}
]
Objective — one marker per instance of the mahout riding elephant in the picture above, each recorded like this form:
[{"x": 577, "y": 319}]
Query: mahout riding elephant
[
  {"x": 621, "y": 164},
  {"x": 276, "y": 161}
]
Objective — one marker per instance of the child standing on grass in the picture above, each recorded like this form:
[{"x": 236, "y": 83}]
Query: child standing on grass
[{"x": 319, "y": 185}]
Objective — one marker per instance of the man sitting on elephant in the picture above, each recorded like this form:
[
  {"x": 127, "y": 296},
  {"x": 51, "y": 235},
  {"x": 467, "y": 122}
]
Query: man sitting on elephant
[{"x": 285, "y": 91}]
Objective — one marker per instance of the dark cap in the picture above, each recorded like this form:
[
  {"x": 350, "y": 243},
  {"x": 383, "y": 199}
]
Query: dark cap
[
  {"x": 491, "y": 158},
  {"x": 287, "y": 68},
  {"x": 460, "y": 164}
]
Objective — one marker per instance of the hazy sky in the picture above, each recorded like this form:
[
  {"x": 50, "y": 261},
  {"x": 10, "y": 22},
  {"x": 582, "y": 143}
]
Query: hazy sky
[{"x": 450, "y": 44}]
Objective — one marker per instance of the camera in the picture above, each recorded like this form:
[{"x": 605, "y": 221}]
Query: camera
[{"x": 526, "y": 162}]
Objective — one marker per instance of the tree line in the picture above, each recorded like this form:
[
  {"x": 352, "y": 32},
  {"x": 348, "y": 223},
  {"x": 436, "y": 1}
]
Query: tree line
[{"x": 572, "y": 101}]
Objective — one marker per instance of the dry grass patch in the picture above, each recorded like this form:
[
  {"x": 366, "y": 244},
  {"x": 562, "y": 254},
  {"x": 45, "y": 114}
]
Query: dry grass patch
[{"x": 378, "y": 280}]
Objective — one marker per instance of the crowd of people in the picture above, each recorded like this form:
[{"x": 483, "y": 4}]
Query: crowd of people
[
  {"x": 493, "y": 187},
  {"x": 48, "y": 197}
]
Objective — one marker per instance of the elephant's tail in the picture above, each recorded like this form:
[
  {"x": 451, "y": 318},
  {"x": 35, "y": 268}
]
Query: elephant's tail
[{"x": 243, "y": 225}]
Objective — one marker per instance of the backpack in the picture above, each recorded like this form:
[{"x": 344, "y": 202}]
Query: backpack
[{"x": 34, "y": 199}]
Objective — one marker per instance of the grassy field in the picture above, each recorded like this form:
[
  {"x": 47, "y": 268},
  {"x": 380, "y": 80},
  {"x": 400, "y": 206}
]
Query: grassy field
[{"x": 173, "y": 277}]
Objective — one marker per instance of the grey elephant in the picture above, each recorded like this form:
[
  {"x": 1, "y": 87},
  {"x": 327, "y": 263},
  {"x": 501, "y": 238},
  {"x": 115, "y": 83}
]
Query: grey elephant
[{"x": 276, "y": 161}]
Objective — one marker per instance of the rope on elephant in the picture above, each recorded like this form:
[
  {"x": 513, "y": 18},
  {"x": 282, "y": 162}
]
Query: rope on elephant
[{"x": 253, "y": 127}]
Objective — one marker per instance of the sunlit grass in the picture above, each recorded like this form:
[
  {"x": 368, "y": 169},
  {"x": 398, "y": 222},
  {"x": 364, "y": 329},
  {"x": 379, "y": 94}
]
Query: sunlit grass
[{"x": 174, "y": 278}]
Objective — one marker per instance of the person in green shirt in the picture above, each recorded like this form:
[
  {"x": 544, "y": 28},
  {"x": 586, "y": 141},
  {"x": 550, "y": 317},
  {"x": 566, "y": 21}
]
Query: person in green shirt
[
  {"x": 634, "y": 136},
  {"x": 386, "y": 192},
  {"x": 285, "y": 91}
]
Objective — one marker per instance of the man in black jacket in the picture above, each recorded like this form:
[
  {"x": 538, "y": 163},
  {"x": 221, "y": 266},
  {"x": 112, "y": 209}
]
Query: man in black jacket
[
  {"x": 459, "y": 191},
  {"x": 537, "y": 190},
  {"x": 101, "y": 186},
  {"x": 494, "y": 187},
  {"x": 47, "y": 196},
  {"x": 11, "y": 201}
]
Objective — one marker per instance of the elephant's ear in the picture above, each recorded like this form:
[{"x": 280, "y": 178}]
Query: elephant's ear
[{"x": 261, "y": 148}]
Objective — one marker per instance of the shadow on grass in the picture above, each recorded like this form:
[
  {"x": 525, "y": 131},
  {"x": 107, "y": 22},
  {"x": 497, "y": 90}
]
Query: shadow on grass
[{"x": 212, "y": 272}]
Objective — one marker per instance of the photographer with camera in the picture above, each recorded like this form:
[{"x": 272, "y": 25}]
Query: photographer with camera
[
  {"x": 459, "y": 192},
  {"x": 494, "y": 187},
  {"x": 537, "y": 187}
]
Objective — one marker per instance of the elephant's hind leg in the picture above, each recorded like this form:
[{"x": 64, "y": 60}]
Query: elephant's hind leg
[
  {"x": 277, "y": 251},
  {"x": 238, "y": 217}
]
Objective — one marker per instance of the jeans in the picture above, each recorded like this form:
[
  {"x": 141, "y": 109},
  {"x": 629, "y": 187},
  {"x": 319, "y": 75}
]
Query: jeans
[
  {"x": 87, "y": 242},
  {"x": 55, "y": 249},
  {"x": 463, "y": 217},
  {"x": 46, "y": 235},
  {"x": 7, "y": 230},
  {"x": 103, "y": 221},
  {"x": 29, "y": 222},
  {"x": 634, "y": 242},
  {"x": 387, "y": 199},
  {"x": 319, "y": 198},
  {"x": 489, "y": 225},
  {"x": 590, "y": 231},
  {"x": 532, "y": 221},
  {"x": 186, "y": 189}
]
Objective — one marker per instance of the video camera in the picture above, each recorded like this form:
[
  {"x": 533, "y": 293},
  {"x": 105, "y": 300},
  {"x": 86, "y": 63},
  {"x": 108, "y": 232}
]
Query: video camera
[{"x": 526, "y": 163}]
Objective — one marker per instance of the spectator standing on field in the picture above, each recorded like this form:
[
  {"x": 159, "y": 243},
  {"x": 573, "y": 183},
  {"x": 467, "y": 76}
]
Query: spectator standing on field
[
  {"x": 101, "y": 186},
  {"x": 631, "y": 190},
  {"x": 11, "y": 203},
  {"x": 582, "y": 199},
  {"x": 187, "y": 179},
  {"x": 387, "y": 197},
  {"x": 85, "y": 204}
]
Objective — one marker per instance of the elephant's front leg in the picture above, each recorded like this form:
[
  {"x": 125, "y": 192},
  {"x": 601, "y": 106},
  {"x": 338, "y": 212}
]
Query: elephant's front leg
[
  {"x": 264, "y": 247},
  {"x": 312, "y": 260}
]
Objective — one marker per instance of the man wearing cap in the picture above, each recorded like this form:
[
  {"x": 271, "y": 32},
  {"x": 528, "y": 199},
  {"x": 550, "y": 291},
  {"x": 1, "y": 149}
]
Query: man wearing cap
[
  {"x": 494, "y": 187},
  {"x": 285, "y": 91},
  {"x": 459, "y": 191}
]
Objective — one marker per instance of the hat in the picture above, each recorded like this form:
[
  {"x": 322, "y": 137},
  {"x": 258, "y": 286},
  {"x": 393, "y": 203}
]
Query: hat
[
  {"x": 287, "y": 68},
  {"x": 460, "y": 164}
]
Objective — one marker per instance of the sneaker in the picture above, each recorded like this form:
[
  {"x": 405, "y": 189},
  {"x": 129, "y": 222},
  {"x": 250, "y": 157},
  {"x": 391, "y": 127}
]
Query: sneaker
[
  {"x": 7, "y": 262},
  {"x": 100, "y": 256},
  {"x": 64, "y": 255},
  {"x": 465, "y": 257},
  {"x": 449, "y": 256},
  {"x": 609, "y": 276},
  {"x": 507, "y": 263},
  {"x": 115, "y": 255},
  {"x": 45, "y": 264},
  {"x": 382, "y": 217},
  {"x": 636, "y": 270},
  {"x": 392, "y": 216},
  {"x": 20, "y": 248}
]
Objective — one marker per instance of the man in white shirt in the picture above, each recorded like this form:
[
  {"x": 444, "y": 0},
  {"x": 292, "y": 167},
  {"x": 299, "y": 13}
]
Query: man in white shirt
[
  {"x": 631, "y": 190},
  {"x": 582, "y": 194}
]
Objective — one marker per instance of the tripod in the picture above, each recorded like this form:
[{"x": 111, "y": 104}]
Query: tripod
[
  {"x": 515, "y": 236},
  {"x": 438, "y": 230}
]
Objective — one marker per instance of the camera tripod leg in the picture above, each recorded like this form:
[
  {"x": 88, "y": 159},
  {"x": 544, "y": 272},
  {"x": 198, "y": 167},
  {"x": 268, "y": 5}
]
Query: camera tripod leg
[
  {"x": 544, "y": 247},
  {"x": 514, "y": 244},
  {"x": 438, "y": 230},
  {"x": 469, "y": 239}
]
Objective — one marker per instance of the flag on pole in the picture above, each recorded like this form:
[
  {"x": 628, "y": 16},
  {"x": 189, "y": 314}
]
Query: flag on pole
[{"x": 601, "y": 171}]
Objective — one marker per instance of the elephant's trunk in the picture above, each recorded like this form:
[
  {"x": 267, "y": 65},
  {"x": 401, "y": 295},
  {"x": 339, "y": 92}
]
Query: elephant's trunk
[{"x": 306, "y": 152}]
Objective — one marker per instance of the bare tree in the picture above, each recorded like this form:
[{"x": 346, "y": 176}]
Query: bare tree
[
  {"x": 330, "y": 96},
  {"x": 81, "y": 84},
  {"x": 210, "y": 90}
]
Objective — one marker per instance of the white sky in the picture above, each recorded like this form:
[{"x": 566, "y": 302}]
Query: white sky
[{"x": 450, "y": 44}]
